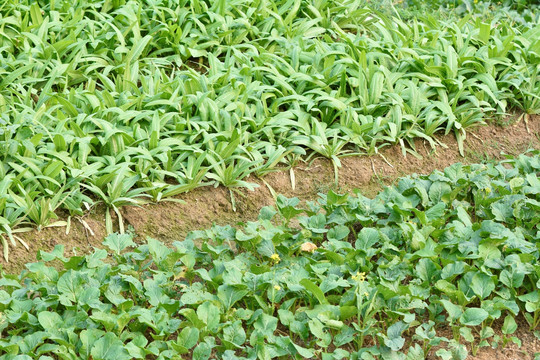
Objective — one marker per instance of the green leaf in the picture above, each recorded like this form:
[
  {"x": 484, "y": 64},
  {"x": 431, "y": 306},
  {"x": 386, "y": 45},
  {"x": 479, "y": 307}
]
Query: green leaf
[
  {"x": 415, "y": 352},
  {"x": 202, "y": 352},
  {"x": 109, "y": 347},
  {"x": 337, "y": 233},
  {"x": 456, "y": 352},
  {"x": 454, "y": 311},
  {"x": 57, "y": 253},
  {"x": 482, "y": 285},
  {"x": 209, "y": 314},
  {"x": 485, "y": 31},
  {"x": 90, "y": 296},
  {"x": 467, "y": 334},
  {"x": 367, "y": 238},
  {"x": 304, "y": 352},
  {"x": 316, "y": 327},
  {"x": 235, "y": 334},
  {"x": 393, "y": 339},
  {"x": 439, "y": 191},
  {"x": 88, "y": 338},
  {"x": 473, "y": 316},
  {"x": 188, "y": 338},
  {"x": 108, "y": 320},
  {"x": 316, "y": 223},
  {"x": 509, "y": 326},
  {"x": 70, "y": 286},
  {"x": 453, "y": 269},
  {"x": 314, "y": 290},
  {"x": 35, "y": 14},
  {"x": 435, "y": 212},
  {"x": 137, "y": 50},
  {"x": 118, "y": 242},
  {"x": 50, "y": 320},
  {"x": 230, "y": 294},
  {"x": 266, "y": 324},
  {"x": 161, "y": 252},
  {"x": 266, "y": 248}
]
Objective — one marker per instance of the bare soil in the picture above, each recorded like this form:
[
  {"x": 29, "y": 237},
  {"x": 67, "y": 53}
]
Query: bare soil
[
  {"x": 170, "y": 221},
  {"x": 530, "y": 343}
]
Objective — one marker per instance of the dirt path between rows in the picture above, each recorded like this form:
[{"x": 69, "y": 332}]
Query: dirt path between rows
[{"x": 170, "y": 221}]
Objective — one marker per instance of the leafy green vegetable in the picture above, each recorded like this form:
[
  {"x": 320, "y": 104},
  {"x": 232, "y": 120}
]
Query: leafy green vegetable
[{"x": 126, "y": 102}]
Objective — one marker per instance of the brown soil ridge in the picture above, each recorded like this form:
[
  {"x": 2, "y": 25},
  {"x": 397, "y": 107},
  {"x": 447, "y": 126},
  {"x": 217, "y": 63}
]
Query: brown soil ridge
[{"x": 170, "y": 221}]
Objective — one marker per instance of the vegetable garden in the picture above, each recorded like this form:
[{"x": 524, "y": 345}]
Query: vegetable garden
[
  {"x": 358, "y": 278},
  {"x": 106, "y": 104}
]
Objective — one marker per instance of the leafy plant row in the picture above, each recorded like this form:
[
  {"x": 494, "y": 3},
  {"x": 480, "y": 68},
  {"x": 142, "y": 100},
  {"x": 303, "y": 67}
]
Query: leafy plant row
[
  {"x": 517, "y": 11},
  {"x": 122, "y": 102},
  {"x": 354, "y": 278}
]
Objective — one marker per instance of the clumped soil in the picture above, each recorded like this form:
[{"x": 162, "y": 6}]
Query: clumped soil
[{"x": 169, "y": 221}]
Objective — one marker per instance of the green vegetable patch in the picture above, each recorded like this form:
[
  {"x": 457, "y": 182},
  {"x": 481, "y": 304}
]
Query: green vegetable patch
[
  {"x": 344, "y": 277},
  {"x": 116, "y": 103}
]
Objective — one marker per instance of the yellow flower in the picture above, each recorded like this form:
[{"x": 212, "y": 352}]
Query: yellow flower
[
  {"x": 487, "y": 190},
  {"x": 359, "y": 276},
  {"x": 366, "y": 294},
  {"x": 277, "y": 287},
  {"x": 275, "y": 258}
]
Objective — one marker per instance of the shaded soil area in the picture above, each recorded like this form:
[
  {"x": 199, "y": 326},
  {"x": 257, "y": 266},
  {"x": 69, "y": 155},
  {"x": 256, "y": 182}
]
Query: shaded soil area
[
  {"x": 530, "y": 343},
  {"x": 170, "y": 220}
]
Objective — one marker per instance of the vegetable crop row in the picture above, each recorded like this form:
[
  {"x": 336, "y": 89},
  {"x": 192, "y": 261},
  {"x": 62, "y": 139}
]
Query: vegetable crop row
[
  {"x": 355, "y": 278},
  {"x": 123, "y": 102}
]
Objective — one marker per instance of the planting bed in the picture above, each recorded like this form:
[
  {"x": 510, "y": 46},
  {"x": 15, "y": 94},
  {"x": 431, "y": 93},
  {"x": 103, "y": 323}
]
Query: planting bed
[
  {"x": 419, "y": 271},
  {"x": 237, "y": 179},
  {"x": 170, "y": 221},
  {"x": 121, "y": 103}
]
